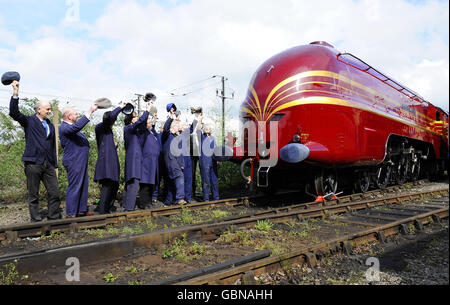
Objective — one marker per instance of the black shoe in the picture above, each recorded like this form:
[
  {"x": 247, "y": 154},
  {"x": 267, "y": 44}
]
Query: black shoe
[
  {"x": 55, "y": 218},
  {"x": 36, "y": 219}
]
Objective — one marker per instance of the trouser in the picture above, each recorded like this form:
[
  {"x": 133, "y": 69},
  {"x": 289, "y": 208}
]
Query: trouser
[
  {"x": 130, "y": 194},
  {"x": 194, "y": 162},
  {"x": 45, "y": 172},
  {"x": 108, "y": 194},
  {"x": 159, "y": 191},
  {"x": 187, "y": 179},
  {"x": 145, "y": 195},
  {"x": 77, "y": 189},
  {"x": 175, "y": 190},
  {"x": 209, "y": 182}
]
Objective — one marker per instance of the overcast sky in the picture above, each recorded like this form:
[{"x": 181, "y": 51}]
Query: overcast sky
[{"x": 83, "y": 50}]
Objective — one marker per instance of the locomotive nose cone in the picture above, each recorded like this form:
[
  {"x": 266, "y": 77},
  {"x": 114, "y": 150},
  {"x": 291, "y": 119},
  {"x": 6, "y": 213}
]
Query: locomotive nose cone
[{"x": 294, "y": 153}]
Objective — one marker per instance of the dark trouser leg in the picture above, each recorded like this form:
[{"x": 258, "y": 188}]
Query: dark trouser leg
[
  {"x": 214, "y": 182},
  {"x": 194, "y": 162},
  {"x": 170, "y": 192},
  {"x": 105, "y": 195},
  {"x": 114, "y": 189},
  {"x": 33, "y": 172},
  {"x": 206, "y": 181},
  {"x": 50, "y": 181},
  {"x": 131, "y": 190},
  {"x": 179, "y": 188},
  {"x": 145, "y": 195}
]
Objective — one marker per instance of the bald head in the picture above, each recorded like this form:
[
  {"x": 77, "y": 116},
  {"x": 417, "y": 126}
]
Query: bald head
[
  {"x": 70, "y": 115},
  {"x": 43, "y": 109}
]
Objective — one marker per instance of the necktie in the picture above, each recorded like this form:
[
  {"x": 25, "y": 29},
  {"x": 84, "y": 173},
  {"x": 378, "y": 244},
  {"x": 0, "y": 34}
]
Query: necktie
[{"x": 47, "y": 130}]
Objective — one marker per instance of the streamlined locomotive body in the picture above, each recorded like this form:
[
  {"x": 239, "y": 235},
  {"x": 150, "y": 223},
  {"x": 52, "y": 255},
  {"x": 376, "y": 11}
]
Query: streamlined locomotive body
[{"x": 340, "y": 122}]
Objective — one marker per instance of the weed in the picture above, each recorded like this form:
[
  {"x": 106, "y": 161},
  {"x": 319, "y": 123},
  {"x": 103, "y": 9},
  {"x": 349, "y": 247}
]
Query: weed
[
  {"x": 186, "y": 217},
  {"x": 11, "y": 274},
  {"x": 99, "y": 233},
  {"x": 274, "y": 248},
  {"x": 110, "y": 278},
  {"x": 138, "y": 229},
  {"x": 111, "y": 230},
  {"x": 150, "y": 224},
  {"x": 264, "y": 225},
  {"x": 180, "y": 249},
  {"x": 127, "y": 230},
  {"x": 132, "y": 283},
  {"x": 220, "y": 214},
  {"x": 197, "y": 249},
  {"x": 131, "y": 269},
  {"x": 411, "y": 228}
]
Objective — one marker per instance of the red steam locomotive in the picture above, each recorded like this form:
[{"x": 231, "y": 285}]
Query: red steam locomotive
[{"x": 341, "y": 123}]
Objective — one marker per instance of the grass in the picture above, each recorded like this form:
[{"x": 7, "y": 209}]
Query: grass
[
  {"x": 110, "y": 278},
  {"x": 264, "y": 225},
  {"x": 131, "y": 269},
  {"x": 10, "y": 275},
  {"x": 182, "y": 250},
  {"x": 243, "y": 238}
]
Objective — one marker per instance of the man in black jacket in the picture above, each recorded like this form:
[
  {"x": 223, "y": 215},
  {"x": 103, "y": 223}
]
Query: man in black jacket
[{"x": 39, "y": 156}]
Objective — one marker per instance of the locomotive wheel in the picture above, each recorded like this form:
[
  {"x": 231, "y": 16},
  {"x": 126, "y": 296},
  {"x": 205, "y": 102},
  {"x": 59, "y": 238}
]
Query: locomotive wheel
[
  {"x": 415, "y": 169},
  {"x": 383, "y": 175},
  {"x": 326, "y": 182},
  {"x": 362, "y": 182},
  {"x": 401, "y": 170}
]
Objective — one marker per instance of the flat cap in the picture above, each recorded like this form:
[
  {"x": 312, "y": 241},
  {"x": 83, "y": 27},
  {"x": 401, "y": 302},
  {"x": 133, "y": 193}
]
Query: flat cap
[
  {"x": 149, "y": 96},
  {"x": 9, "y": 77},
  {"x": 103, "y": 103},
  {"x": 170, "y": 106}
]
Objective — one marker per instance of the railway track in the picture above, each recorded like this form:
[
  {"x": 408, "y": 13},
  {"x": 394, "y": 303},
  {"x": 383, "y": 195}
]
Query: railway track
[
  {"x": 13, "y": 233},
  {"x": 378, "y": 226}
]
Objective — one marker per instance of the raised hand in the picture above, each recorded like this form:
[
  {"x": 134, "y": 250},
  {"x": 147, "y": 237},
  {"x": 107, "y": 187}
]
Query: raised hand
[{"x": 15, "y": 85}]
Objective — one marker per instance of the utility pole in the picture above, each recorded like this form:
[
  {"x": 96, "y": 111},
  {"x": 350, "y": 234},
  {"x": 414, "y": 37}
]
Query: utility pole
[
  {"x": 139, "y": 102},
  {"x": 223, "y": 96},
  {"x": 56, "y": 124},
  {"x": 223, "y": 110}
]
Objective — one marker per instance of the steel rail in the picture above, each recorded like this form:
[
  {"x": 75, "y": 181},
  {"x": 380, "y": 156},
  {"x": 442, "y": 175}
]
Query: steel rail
[
  {"x": 73, "y": 225},
  {"x": 99, "y": 251},
  {"x": 312, "y": 253}
]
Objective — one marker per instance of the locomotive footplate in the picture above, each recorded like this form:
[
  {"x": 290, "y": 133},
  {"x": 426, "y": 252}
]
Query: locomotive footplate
[{"x": 262, "y": 177}]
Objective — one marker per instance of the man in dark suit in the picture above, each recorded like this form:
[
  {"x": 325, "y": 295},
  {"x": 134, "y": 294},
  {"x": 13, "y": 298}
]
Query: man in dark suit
[
  {"x": 150, "y": 167},
  {"x": 208, "y": 166},
  {"x": 133, "y": 157},
  {"x": 39, "y": 156},
  {"x": 75, "y": 160},
  {"x": 107, "y": 169},
  {"x": 175, "y": 167}
]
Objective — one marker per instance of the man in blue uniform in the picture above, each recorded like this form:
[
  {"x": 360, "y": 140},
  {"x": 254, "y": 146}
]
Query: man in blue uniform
[
  {"x": 187, "y": 171},
  {"x": 150, "y": 169},
  {"x": 75, "y": 160},
  {"x": 39, "y": 155},
  {"x": 133, "y": 157},
  {"x": 208, "y": 166},
  {"x": 161, "y": 171},
  {"x": 175, "y": 167},
  {"x": 107, "y": 169}
]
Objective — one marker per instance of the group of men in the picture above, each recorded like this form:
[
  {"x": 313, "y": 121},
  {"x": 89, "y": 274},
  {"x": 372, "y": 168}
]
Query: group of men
[{"x": 158, "y": 164}]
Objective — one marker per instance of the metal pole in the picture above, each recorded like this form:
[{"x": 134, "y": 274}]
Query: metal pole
[
  {"x": 223, "y": 110},
  {"x": 55, "y": 124}
]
